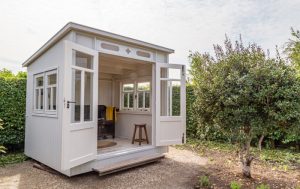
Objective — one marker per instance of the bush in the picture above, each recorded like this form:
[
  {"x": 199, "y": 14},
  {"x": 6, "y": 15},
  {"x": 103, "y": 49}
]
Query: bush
[
  {"x": 12, "y": 158},
  {"x": 12, "y": 110},
  {"x": 235, "y": 185}
]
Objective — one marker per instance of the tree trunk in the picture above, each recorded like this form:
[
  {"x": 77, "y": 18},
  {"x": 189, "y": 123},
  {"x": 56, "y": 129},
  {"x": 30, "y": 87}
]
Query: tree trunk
[
  {"x": 260, "y": 142},
  {"x": 246, "y": 158}
]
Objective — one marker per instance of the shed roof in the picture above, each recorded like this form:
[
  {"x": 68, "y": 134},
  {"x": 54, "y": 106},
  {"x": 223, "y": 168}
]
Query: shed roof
[{"x": 86, "y": 29}]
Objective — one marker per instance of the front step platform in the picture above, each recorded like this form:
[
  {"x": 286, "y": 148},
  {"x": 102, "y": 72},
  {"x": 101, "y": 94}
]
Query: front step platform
[{"x": 128, "y": 164}]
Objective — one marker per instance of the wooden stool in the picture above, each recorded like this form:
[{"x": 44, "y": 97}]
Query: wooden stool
[{"x": 140, "y": 139}]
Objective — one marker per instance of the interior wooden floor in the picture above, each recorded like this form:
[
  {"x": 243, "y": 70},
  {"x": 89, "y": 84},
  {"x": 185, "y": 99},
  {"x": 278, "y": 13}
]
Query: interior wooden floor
[{"x": 122, "y": 144}]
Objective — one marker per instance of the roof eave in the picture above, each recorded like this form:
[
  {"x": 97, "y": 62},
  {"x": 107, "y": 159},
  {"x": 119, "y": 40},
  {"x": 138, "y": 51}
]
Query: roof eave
[{"x": 77, "y": 27}]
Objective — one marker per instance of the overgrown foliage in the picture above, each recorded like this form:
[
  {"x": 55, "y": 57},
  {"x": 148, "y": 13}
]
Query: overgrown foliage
[
  {"x": 12, "y": 109},
  {"x": 12, "y": 158},
  {"x": 293, "y": 48},
  {"x": 244, "y": 94},
  {"x": 2, "y": 148}
]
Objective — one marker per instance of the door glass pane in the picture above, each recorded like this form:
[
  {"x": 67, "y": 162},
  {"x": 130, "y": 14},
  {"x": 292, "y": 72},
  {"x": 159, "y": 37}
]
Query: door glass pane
[
  {"x": 164, "y": 98},
  {"x": 76, "y": 96},
  {"x": 171, "y": 73},
  {"x": 140, "y": 99},
  {"x": 88, "y": 96},
  {"x": 170, "y": 98},
  {"x": 83, "y": 60},
  {"x": 175, "y": 98}
]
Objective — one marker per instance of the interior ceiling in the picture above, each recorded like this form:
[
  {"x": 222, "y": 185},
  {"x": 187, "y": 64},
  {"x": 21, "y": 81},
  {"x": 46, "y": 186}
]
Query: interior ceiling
[{"x": 117, "y": 65}]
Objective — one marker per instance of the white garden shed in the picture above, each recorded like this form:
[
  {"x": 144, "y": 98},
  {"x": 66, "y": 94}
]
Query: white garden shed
[{"x": 84, "y": 77}]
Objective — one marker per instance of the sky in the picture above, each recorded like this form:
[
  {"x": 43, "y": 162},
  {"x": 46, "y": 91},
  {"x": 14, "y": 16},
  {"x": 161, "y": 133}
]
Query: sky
[{"x": 183, "y": 25}]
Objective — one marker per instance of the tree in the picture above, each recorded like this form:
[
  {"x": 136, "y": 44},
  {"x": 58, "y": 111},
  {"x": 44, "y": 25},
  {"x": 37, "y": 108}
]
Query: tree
[
  {"x": 293, "y": 48},
  {"x": 2, "y": 148},
  {"x": 6, "y": 73},
  {"x": 245, "y": 94}
]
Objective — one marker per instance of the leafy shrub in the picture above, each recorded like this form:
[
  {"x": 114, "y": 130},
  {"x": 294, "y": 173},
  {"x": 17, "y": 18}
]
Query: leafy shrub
[
  {"x": 2, "y": 148},
  {"x": 12, "y": 158},
  {"x": 12, "y": 109},
  {"x": 235, "y": 185},
  {"x": 204, "y": 181},
  {"x": 263, "y": 186}
]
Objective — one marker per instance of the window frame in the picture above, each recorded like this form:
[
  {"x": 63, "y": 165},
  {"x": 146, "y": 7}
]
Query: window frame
[
  {"x": 44, "y": 111},
  {"x": 51, "y": 86},
  {"x": 35, "y": 87},
  {"x": 144, "y": 109},
  {"x": 122, "y": 94},
  {"x": 135, "y": 92}
]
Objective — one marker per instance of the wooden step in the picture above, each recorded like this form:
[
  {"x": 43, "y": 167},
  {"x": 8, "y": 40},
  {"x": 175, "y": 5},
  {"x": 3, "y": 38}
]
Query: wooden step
[{"x": 128, "y": 164}]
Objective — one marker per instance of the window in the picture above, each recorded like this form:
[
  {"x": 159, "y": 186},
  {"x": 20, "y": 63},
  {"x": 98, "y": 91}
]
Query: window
[
  {"x": 127, "y": 96},
  {"x": 143, "y": 96},
  {"x": 51, "y": 90},
  {"x": 170, "y": 91},
  {"x": 135, "y": 96},
  {"x": 45, "y": 92},
  {"x": 39, "y": 92}
]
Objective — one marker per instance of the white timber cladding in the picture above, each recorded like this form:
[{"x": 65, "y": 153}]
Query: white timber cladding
[
  {"x": 124, "y": 50},
  {"x": 114, "y": 47}
]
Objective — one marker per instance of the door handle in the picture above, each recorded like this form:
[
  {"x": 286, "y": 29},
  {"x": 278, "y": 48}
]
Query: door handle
[{"x": 68, "y": 103}]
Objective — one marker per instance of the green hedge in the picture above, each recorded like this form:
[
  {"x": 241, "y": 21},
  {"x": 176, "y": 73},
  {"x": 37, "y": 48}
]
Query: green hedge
[{"x": 12, "y": 111}]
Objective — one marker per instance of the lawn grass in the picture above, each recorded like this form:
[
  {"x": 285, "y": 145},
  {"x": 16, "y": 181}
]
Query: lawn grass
[
  {"x": 12, "y": 158},
  {"x": 284, "y": 158}
]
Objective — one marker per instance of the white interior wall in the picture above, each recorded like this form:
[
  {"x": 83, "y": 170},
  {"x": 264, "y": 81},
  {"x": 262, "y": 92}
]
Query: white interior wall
[{"x": 109, "y": 94}]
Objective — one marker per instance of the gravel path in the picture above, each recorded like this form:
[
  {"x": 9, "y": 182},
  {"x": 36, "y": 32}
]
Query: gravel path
[{"x": 177, "y": 170}]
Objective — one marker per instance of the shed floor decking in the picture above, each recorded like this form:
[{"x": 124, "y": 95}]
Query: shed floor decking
[{"x": 122, "y": 144}]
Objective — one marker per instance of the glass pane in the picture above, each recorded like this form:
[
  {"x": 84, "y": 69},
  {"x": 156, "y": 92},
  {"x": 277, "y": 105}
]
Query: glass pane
[
  {"x": 147, "y": 100},
  {"x": 130, "y": 100},
  {"x": 175, "y": 98},
  {"x": 52, "y": 79},
  {"x": 39, "y": 81},
  {"x": 171, "y": 73},
  {"x": 140, "y": 99},
  {"x": 88, "y": 96},
  {"x": 170, "y": 98},
  {"x": 54, "y": 98},
  {"x": 125, "y": 100},
  {"x": 37, "y": 94},
  {"x": 145, "y": 86},
  {"x": 76, "y": 96},
  {"x": 128, "y": 87},
  {"x": 41, "y": 99},
  {"x": 83, "y": 60},
  {"x": 48, "y": 98}
]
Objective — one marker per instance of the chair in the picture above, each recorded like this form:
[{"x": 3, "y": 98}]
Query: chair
[{"x": 106, "y": 128}]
